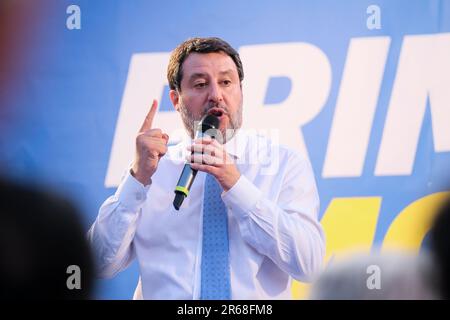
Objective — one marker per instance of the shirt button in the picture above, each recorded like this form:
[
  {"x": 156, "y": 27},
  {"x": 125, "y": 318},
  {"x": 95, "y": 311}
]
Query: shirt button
[{"x": 258, "y": 206}]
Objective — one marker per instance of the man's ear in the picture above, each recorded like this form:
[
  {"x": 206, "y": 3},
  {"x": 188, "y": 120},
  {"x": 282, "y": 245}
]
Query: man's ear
[{"x": 174, "y": 97}]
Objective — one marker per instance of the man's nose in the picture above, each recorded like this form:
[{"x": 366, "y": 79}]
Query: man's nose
[{"x": 215, "y": 93}]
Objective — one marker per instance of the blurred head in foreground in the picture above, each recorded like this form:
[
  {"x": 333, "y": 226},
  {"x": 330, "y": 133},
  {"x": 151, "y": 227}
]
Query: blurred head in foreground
[
  {"x": 380, "y": 276},
  {"x": 440, "y": 246},
  {"x": 43, "y": 253}
]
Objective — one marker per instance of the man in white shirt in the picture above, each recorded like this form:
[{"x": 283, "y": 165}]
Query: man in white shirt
[{"x": 272, "y": 232}]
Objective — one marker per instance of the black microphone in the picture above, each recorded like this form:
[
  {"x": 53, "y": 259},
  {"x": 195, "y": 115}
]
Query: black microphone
[{"x": 207, "y": 127}]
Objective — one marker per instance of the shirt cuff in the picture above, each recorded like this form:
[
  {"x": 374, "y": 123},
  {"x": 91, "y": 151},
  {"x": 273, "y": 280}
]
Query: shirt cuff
[
  {"x": 242, "y": 197},
  {"x": 131, "y": 193}
]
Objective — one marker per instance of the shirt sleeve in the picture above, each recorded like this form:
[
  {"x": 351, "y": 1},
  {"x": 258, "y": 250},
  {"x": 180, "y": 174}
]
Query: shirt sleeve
[
  {"x": 286, "y": 230},
  {"x": 111, "y": 235}
]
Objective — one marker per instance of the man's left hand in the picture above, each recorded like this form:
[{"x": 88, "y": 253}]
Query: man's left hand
[{"x": 211, "y": 157}]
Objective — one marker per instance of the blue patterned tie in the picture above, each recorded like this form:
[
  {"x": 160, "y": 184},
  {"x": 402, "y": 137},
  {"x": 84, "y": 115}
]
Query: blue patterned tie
[{"x": 215, "y": 277}]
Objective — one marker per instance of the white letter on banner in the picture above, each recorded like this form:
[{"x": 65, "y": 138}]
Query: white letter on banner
[
  {"x": 423, "y": 71},
  {"x": 308, "y": 69},
  {"x": 355, "y": 107},
  {"x": 145, "y": 82}
]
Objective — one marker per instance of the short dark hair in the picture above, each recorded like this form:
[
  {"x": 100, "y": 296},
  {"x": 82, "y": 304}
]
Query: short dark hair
[{"x": 198, "y": 45}]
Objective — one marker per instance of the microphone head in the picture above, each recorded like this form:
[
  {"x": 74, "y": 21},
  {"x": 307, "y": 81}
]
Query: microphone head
[{"x": 209, "y": 122}]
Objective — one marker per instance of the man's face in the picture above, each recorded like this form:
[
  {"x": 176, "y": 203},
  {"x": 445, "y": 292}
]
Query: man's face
[{"x": 210, "y": 85}]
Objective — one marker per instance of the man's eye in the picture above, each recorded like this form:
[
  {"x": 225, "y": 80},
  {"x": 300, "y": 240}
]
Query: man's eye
[
  {"x": 200, "y": 85},
  {"x": 227, "y": 82}
]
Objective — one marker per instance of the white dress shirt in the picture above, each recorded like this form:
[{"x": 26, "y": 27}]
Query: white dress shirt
[{"x": 274, "y": 233}]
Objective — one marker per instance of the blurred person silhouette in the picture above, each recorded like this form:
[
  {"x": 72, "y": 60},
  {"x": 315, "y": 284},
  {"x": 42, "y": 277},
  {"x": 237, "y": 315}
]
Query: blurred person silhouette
[
  {"x": 378, "y": 276},
  {"x": 20, "y": 25},
  {"x": 41, "y": 236},
  {"x": 440, "y": 247}
]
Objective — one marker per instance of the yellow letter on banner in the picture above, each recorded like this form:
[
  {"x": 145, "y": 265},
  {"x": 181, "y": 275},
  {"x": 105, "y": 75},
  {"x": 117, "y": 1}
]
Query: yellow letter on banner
[
  {"x": 349, "y": 225},
  {"x": 410, "y": 226}
]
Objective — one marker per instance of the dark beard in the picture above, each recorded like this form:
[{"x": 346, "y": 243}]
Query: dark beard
[{"x": 190, "y": 120}]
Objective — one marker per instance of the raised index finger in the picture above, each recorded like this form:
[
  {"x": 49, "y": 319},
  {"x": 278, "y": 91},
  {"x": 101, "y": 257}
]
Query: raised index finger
[{"x": 149, "y": 118}]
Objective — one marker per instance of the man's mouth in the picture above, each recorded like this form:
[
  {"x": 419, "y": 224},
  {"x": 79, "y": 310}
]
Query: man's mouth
[{"x": 218, "y": 112}]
